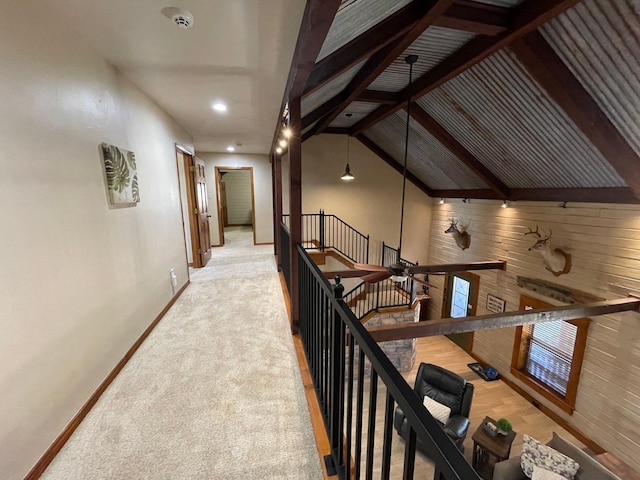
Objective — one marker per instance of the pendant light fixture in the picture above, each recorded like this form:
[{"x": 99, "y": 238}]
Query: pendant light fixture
[
  {"x": 347, "y": 175},
  {"x": 410, "y": 59}
]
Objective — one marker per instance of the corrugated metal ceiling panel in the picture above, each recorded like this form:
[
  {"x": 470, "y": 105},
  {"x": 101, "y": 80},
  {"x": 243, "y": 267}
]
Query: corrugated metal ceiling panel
[
  {"x": 512, "y": 126},
  {"x": 600, "y": 43},
  {"x": 428, "y": 159},
  {"x": 433, "y": 46},
  {"x": 328, "y": 91},
  {"x": 354, "y": 18},
  {"x": 358, "y": 111}
]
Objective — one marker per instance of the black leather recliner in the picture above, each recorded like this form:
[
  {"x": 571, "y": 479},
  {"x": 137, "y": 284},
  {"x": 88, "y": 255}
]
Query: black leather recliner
[{"x": 447, "y": 388}]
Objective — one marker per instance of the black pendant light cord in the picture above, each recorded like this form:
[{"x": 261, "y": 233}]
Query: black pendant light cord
[{"x": 410, "y": 59}]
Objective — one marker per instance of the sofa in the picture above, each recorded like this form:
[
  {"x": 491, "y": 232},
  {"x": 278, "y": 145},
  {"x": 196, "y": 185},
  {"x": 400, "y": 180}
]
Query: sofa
[{"x": 590, "y": 468}]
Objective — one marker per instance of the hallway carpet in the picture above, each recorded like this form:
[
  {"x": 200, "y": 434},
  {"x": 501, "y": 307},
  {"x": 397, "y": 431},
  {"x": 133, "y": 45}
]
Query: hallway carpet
[{"x": 213, "y": 393}]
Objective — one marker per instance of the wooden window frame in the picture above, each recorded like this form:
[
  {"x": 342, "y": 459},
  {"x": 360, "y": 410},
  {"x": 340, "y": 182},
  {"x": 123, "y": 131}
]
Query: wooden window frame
[{"x": 518, "y": 358}]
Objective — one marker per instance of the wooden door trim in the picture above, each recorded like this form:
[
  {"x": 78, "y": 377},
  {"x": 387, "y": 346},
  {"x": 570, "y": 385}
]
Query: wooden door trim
[
  {"x": 189, "y": 161},
  {"x": 182, "y": 151},
  {"x": 474, "y": 294},
  {"x": 253, "y": 201}
]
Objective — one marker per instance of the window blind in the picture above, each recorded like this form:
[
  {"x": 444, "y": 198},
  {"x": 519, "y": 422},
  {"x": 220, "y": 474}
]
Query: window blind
[{"x": 550, "y": 350}]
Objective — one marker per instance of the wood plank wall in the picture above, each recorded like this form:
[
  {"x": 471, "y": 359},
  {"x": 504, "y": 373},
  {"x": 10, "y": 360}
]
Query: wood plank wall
[{"x": 604, "y": 241}]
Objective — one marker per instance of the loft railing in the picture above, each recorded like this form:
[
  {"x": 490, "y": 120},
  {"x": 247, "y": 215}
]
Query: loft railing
[
  {"x": 321, "y": 231},
  {"x": 285, "y": 255},
  {"x": 341, "y": 354},
  {"x": 390, "y": 256},
  {"x": 366, "y": 298}
]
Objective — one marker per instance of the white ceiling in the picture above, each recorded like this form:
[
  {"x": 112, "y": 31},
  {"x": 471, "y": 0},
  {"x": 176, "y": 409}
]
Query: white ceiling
[{"x": 238, "y": 51}]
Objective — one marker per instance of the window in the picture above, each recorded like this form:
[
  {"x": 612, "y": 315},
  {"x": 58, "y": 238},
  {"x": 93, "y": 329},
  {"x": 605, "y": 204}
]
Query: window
[{"x": 548, "y": 356}]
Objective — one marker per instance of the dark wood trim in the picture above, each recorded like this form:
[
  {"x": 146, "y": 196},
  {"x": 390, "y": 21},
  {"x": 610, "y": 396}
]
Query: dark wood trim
[
  {"x": 595, "y": 195},
  {"x": 48, "y": 456},
  {"x": 277, "y": 167},
  {"x": 436, "y": 268},
  {"x": 240, "y": 225},
  {"x": 377, "y": 96},
  {"x": 385, "y": 333},
  {"x": 455, "y": 147},
  {"x": 371, "y": 145},
  {"x": 337, "y": 130},
  {"x": 379, "y": 61},
  {"x": 527, "y": 17},
  {"x": 323, "y": 110},
  {"x": 476, "y": 17},
  {"x": 316, "y": 22},
  {"x": 590, "y": 444},
  {"x": 295, "y": 209},
  {"x": 363, "y": 46},
  {"x": 542, "y": 62}
]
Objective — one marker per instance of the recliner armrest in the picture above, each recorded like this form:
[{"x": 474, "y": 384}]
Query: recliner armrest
[
  {"x": 457, "y": 426},
  {"x": 509, "y": 470}
]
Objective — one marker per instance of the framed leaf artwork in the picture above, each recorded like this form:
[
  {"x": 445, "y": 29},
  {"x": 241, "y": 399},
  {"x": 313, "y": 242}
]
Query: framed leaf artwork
[{"x": 121, "y": 175}]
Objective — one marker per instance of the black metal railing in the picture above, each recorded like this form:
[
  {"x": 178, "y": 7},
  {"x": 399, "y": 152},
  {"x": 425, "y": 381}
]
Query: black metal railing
[
  {"x": 390, "y": 256},
  {"x": 285, "y": 254},
  {"x": 366, "y": 298},
  {"x": 341, "y": 353},
  {"x": 321, "y": 231}
]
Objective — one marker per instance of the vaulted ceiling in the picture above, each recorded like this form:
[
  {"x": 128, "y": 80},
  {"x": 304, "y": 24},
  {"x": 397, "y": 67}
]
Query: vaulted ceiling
[{"x": 509, "y": 99}]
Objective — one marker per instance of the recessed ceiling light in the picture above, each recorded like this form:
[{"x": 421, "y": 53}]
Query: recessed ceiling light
[
  {"x": 219, "y": 107},
  {"x": 231, "y": 148}
]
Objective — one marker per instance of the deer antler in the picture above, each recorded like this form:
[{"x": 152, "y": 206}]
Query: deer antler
[
  {"x": 549, "y": 236},
  {"x": 453, "y": 221},
  {"x": 530, "y": 232}
]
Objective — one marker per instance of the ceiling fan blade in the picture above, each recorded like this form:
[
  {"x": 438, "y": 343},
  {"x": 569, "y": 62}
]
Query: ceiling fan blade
[
  {"x": 344, "y": 274},
  {"x": 376, "y": 277},
  {"x": 369, "y": 268},
  {"x": 421, "y": 281}
]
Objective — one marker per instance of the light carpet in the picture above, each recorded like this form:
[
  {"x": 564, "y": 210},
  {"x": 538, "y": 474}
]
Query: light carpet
[{"x": 214, "y": 392}]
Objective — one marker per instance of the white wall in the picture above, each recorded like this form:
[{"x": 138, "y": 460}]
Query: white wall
[
  {"x": 604, "y": 241},
  {"x": 263, "y": 227},
  {"x": 371, "y": 203},
  {"x": 80, "y": 281},
  {"x": 239, "y": 199}
]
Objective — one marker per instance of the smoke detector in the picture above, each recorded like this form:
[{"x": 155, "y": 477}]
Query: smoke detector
[{"x": 181, "y": 17}]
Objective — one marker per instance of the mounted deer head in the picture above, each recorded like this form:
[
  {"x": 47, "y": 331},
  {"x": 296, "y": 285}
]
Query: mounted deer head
[
  {"x": 556, "y": 260},
  {"x": 461, "y": 236}
]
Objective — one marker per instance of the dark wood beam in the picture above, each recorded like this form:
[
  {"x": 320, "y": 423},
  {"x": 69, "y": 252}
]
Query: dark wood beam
[
  {"x": 447, "y": 326},
  {"x": 455, "y": 147},
  {"x": 527, "y": 17},
  {"x": 439, "y": 268},
  {"x": 376, "y": 96},
  {"x": 383, "y": 58},
  {"x": 476, "y": 17},
  {"x": 548, "y": 69},
  {"x": 323, "y": 110},
  {"x": 371, "y": 145},
  {"x": 363, "y": 46},
  {"x": 277, "y": 205},
  {"x": 316, "y": 21},
  {"x": 595, "y": 195},
  {"x": 295, "y": 209},
  {"x": 337, "y": 130}
]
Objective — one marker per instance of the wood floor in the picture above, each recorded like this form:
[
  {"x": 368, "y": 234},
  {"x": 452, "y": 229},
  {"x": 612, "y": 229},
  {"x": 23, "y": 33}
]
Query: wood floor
[{"x": 495, "y": 399}]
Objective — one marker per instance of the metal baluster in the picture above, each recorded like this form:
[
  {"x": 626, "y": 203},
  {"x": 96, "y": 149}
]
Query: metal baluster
[
  {"x": 388, "y": 437},
  {"x": 350, "y": 372},
  {"x": 360, "y": 402},
  {"x": 371, "y": 432},
  {"x": 409, "y": 454}
]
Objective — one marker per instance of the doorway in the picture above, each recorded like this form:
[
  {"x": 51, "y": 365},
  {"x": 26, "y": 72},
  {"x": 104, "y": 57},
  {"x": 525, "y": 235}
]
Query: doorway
[
  {"x": 236, "y": 203},
  {"x": 461, "y": 300},
  {"x": 195, "y": 208}
]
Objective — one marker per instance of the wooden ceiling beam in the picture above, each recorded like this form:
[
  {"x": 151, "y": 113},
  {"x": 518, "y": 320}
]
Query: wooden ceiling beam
[
  {"x": 337, "y": 130},
  {"x": 363, "y": 46},
  {"x": 480, "y": 18},
  {"x": 455, "y": 147},
  {"x": 527, "y": 17},
  {"x": 593, "y": 195},
  {"x": 324, "y": 109},
  {"x": 371, "y": 145},
  {"x": 316, "y": 21},
  {"x": 383, "y": 58},
  {"x": 377, "y": 96},
  {"x": 548, "y": 69},
  {"x": 447, "y": 326}
]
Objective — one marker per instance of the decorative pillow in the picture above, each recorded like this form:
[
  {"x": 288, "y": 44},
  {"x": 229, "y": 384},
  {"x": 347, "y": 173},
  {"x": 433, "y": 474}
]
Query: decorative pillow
[
  {"x": 542, "y": 474},
  {"x": 439, "y": 411},
  {"x": 535, "y": 454}
]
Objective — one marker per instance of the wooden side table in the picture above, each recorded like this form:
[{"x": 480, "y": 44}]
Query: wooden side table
[{"x": 486, "y": 446}]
